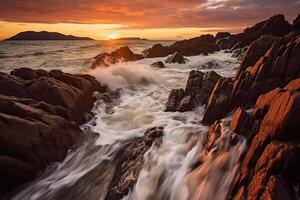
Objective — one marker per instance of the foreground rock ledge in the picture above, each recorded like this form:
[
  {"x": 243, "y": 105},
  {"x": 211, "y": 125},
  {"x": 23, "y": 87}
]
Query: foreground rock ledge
[{"x": 40, "y": 113}]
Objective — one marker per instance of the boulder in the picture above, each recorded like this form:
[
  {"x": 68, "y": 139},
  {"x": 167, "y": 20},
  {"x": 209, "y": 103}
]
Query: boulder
[
  {"x": 123, "y": 54},
  {"x": 158, "y": 64},
  {"x": 156, "y": 50},
  {"x": 221, "y": 35},
  {"x": 176, "y": 58},
  {"x": 40, "y": 114}
]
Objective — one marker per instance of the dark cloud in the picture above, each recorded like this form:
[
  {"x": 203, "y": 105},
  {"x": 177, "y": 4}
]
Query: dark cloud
[{"x": 138, "y": 14}]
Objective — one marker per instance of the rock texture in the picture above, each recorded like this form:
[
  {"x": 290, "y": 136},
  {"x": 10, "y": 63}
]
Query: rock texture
[
  {"x": 270, "y": 167},
  {"x": 198, "y": 89},
  {"x": 278, "y": 66},
  {"x": 40, "y": 112},
  {"x": 176, "y": 58},
  {"x": 123, "y": 54}
]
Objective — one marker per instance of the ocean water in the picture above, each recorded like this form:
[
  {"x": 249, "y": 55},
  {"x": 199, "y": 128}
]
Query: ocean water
[{"x": 166, "y": 173}]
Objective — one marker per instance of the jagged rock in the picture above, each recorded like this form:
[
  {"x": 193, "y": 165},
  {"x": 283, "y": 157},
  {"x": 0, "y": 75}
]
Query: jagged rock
[
  {"x": 239, "y": 121},
  {"x": 156, "y": 50},
  {"x": 219, "y": 101},
  {"x": 296, "y": 23},
  {"x": 174, "y": 100},
  {"x": 221, "y": 35},
  {"x": 123, "y": 54},
  {"x": 176, "y": 58},
  {"x": 271, "y": 166},
  {"x": 129, "y": 162},
  {"x": 198, "y": 89},
  {"x": 255, "y": 51},
  {"x": 274, "y": 26},
  {"x": 239, "y": 53},
  {"x": 277, "y": 67},
  {"x": 158, "y": 64},
  {"x": 38, "y": 115}
]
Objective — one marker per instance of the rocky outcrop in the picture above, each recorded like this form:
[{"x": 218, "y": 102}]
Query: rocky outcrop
[
  {"x": 176, "y": 58},
  {"x": 270, "y": 167},
  {"x": 158, "y": 64},
  {"x": 123, "y": 54},
  {"x": 276, "y": 68},
  {"x": 157, "y": 50},
  {"x": 274, "y": 26},
  {"x": 40, "y": 115},
  {"x": 200, "y": 45},
  {"x": 129, "y": 162},
  {"x": 198, "y": 89}
]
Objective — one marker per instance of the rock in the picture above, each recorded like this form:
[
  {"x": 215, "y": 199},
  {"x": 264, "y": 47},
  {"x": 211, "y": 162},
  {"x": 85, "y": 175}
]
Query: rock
[
  {"x": 219, "y": 101},
  {"x": 40, "y": 114},
  {"x": 296, "y": 23},
  {"x": 198, "y": 89},
  {"x": 74, "y": 92},
  {"x": 274, "y": 26},
  {"x": 221, "y": 35},
  {"x": 129, "y": 161},
  {"x": 158, "y": 64},
  {"x": 275, "y": 68},
  {"x": 156, "y": 50},
  {"x": 255, "y": 51},
  {"x": 174, "y": 100},
  {"x": 239, "y": 53},
  {"x": 239, "y": 121},
  {"x": 270, "y": 167},
  {"x": 177, "y": 58},
  {"x": 123, "y": 54},
  {"x": 199, "y": 45}
]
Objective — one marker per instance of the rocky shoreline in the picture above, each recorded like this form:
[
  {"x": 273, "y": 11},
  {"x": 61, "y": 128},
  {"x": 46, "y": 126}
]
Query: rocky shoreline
[{"x": 41, "y": 112}]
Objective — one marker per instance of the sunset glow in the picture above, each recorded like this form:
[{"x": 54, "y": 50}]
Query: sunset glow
[{"x": 104, "y": 20}]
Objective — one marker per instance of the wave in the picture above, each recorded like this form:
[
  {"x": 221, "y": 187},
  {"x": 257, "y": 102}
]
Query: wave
[{"x": 127, "y": 75}]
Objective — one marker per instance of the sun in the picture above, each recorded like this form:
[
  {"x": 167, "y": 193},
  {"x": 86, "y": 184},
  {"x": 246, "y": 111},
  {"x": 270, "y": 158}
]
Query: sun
[{"x": 112, "y": 36}]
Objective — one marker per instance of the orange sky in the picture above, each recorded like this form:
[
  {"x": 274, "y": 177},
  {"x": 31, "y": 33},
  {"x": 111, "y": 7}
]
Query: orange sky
[{"x": 155, "y": 19}]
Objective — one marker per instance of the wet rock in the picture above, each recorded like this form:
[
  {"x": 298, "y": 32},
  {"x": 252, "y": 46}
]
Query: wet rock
[
  {"x": 176, "y": 58},
  {"x": 198, "y": 89},
  {"x": 123, "y": 54},
  {"x": 239, "y": 53},
  {"x": 158, "y": 64},
  {"x": 239, "y": 121},
  {"x": 129, "y": 162},
  {"x": 40, "y": 113},
  {"x": 174, "y": 100}
]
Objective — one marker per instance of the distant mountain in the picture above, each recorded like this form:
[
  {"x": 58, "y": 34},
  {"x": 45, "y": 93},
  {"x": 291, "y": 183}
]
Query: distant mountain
[
  {"x": 131, "y": 38},
  {"x": 44, "y": 35}
]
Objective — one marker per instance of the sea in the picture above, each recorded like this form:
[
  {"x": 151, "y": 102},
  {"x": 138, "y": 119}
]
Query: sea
[{"x": 167, "y": 170}]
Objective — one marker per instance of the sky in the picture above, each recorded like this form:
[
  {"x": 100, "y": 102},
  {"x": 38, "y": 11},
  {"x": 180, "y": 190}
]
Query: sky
[{"x": 151, "y": 19}]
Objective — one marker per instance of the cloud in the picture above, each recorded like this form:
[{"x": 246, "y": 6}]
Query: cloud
[{"x": 138, "y": 14}]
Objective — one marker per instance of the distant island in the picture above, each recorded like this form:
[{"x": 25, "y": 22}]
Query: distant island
[
  {"x": 44, "y": 35},
  {"x": 130, "y": 38}
]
